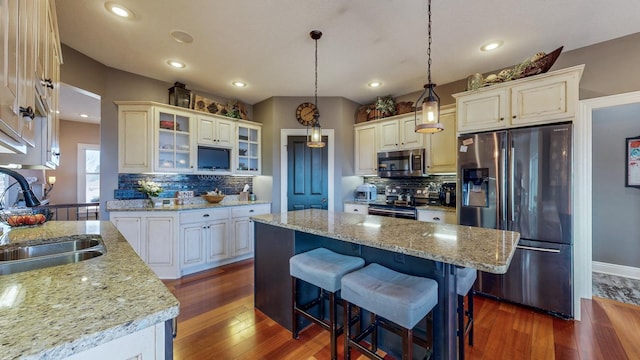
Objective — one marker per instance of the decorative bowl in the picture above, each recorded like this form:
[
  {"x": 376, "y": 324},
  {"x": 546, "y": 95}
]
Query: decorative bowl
[
  {"x": 16, "y": 217},
  {"x": 214, "y": 199},
  {"x": 543, "y": 64}
]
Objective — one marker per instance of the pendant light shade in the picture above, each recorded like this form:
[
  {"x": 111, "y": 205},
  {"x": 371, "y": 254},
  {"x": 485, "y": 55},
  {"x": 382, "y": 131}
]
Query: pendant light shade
[
  {"x": 430, "y": 121},
  {"x": 315, "y": 133}
]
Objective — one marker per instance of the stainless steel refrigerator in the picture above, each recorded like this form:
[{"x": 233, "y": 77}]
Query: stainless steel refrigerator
[{"x": 521, "y": 180}]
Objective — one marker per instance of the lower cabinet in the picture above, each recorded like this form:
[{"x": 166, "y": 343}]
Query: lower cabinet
[
  {"x": 242, "y": 237},
  {"x": 356, "y": 208},
  {"x": 438, "y": 216},
  {"x": 148, "y": 343},
  {"x": 176, "y": 243},
  {"x": 154, "y": 238},
  {"x": 204, "y": 238}
]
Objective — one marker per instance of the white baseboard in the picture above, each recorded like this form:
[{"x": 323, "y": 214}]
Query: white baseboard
[{"x": 618, "y": 270}]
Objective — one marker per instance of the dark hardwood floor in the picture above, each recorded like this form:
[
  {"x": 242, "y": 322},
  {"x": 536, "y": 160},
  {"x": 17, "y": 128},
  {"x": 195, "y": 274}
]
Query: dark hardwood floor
[{"x": 217, "y": 321}]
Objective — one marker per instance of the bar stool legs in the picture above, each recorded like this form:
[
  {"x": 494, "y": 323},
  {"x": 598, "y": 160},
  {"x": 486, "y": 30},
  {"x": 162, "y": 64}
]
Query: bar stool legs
[
  {"x": 465, "y": 279},
  {"x": 323, "y": 269}
]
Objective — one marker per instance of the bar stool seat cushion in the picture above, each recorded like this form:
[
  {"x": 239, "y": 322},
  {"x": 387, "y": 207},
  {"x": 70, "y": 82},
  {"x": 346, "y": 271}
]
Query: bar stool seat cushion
[
  {"x": 323, "y": 268},
  {"x": 465, "y": 278},
  {"x": 400, "y": 298}
]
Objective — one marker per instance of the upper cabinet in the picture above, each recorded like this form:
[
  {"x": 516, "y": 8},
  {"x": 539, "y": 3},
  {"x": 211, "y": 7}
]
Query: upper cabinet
[
  {"x": 173, "y": 150},
  {"x": 441, "y": 148},
  {"x": 248, "y": 149},
  {"x": 541, "y": 99},
  {"x": 154, "y": 137},
  {"x": 29, "y": 54},
  {"x": 399, "y": 134},
  {"x": 215, "y": 131},
  {"x": 366, "y": 149}
]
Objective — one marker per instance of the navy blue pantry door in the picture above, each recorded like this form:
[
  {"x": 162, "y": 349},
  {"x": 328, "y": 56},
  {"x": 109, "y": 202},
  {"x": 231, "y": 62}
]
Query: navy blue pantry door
[{"x": 306, "y": 174}]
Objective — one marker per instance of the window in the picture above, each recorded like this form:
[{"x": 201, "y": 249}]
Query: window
[{"x": 88, "y": 173}]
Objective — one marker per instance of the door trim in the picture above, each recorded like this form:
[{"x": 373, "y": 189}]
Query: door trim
[
  {"x": 284, "y": 134},
  {"x": 583, "y": 211}
]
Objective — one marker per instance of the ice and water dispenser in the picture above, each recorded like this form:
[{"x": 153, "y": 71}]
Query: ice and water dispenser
[{"x": 475, "y": 187}]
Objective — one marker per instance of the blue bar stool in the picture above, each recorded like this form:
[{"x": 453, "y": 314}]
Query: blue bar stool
[
  {"x": 324, "y": 269},
  {"x": 396, "y": 301},
  {"x": 465, "y": 278}
]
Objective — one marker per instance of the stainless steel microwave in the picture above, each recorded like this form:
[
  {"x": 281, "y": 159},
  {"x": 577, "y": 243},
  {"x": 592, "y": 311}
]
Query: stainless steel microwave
[{"x": 405, "y": 163}]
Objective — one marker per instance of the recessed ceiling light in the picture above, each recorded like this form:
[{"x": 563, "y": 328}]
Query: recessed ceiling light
[
  {"x": 176, "y": 64},
  {"x": 84, "y": 115},
  {"x": 239, "y": 84},
  {"x": 119, "y": 10},
  {"x": 491, "y": 45},
  {"x": 181, "y": 37},
  {"x": 375, "y": 84}
]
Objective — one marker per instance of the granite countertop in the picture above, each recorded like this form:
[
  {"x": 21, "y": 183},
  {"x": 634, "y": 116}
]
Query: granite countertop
[
  {"x": 191, "y": 204},
  {"x": 55, "y": 312},
  {"x": 479, "y": 248}
]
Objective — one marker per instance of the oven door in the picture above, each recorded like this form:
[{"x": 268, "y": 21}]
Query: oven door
[{"x": 393, "y": 212}]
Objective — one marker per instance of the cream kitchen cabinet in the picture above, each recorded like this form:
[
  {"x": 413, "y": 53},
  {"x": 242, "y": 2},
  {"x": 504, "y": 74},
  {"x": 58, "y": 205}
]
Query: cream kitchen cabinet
[
  {"x": 356, "y": 208},
  {"x": 204, "y": 238},
  {"x": 399, "y": 133},
  {"x": 248, "y": 143},
  {"x": 169, "y": 148},
  {"x": 366, "y": 149},
  {"x": 437, "y": 216},
  {"x": 215, "y": 131},
  {"x": 441, "y": 146},
  {"x": 26, "y": 24},
  {"x": 173, "y": 142},
  {"x": 540, "y": 99},
  {"x": 242, "y": 228},
  {"x": 153, "y": 235}
]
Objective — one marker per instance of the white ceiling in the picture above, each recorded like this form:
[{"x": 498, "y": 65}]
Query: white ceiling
[{"x": 266, "y": 43}]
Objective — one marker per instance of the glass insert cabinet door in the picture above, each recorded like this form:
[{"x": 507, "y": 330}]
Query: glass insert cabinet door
[
  {"x": 248, "y": 149},
  {"x": 174, "y": 142}
]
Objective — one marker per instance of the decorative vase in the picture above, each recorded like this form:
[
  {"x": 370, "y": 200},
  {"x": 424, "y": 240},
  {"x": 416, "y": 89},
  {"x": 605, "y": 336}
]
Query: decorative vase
[{"x": 155, "y": 201}]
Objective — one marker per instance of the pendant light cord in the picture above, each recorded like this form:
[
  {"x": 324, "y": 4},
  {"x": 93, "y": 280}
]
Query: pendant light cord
[
  {"x": 316, "y": 74},
  {"x": 428, "y": 48}
]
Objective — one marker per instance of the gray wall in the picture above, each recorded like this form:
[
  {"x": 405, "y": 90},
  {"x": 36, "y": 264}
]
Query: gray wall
[
  {"x": 616, "y": 208},
  {"x": 279, "y": 113}
]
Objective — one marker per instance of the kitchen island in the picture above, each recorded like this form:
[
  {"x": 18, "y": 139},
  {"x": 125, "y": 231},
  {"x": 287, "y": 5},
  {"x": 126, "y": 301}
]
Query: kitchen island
[
  {"x": 111, "y": 306},
  {"x": 417, "y": 248}
]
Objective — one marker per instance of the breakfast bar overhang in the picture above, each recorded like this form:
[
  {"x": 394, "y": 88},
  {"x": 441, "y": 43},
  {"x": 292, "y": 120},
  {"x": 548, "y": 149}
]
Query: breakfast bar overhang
[{"x": 416, "y": 248}]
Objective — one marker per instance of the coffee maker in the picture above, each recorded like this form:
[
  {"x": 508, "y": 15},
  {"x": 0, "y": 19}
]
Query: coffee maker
[{"x": 448, "y": 194}]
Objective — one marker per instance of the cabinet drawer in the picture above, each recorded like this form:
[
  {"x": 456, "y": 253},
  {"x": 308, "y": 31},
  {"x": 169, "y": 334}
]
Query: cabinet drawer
[
  {"x": 440, "y": 217},
  {"x": 356, "y": 208},
  {"x": 250, "y": 210},
  {"x": 189, "y": 217}
]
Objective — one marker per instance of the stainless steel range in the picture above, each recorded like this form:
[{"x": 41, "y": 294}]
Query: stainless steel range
[{"x": 392, "y": 210}]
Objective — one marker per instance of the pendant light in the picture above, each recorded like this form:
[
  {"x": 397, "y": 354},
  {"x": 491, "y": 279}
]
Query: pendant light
[
  {"x": 315, "y": 136},
  {"x": 430, "y": 122}
]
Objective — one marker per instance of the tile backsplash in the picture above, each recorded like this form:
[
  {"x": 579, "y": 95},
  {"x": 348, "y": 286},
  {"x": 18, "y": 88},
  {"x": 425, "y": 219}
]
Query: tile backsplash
[
  {"x": 199, "y": 184},
  {"x": 433, "y": 182}
]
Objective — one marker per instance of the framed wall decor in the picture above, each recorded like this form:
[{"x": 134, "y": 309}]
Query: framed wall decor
[{"x": 632, "y": 159}]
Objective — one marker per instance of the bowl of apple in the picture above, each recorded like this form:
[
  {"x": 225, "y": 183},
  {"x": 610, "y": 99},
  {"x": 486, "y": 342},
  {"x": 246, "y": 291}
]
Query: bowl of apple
[{"x": 16, "y": 217}]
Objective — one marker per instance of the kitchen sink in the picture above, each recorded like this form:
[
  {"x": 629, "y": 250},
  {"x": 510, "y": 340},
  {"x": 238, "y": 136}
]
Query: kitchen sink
[{"x": 68, "y": 250}]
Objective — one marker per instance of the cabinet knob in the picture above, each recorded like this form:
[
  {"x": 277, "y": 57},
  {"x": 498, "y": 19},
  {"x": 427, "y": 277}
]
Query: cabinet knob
[
  {"x": 251, "y": 210},
  {"x": 205, "y": 215},
  {"x": 48, "y": 83},
  {"x": 55, "y": 153},
  {"x": 436, "y": 218},
  {"x": 27, "y": 112},
  {"x": 355, "y": 210},
  {"x": 514, "y": 116},
  {"x": 501, "y": 119}
]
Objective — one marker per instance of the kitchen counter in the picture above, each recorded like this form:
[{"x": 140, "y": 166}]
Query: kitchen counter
[
  {"x": 479, "y": 248},
  {"x": 190, "y": 204},
  {"x": 412, "y": 247},
  {"x": 55, "y": 312}
]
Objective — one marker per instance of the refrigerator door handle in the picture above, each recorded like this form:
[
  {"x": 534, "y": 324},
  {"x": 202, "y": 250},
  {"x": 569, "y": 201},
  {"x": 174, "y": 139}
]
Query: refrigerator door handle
[
  {"x": 411, "y": 161},
  {"x": 503, "y": 189},
  {"x": 555, "y": 251},
  {"x": 512, "y": 183}
]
